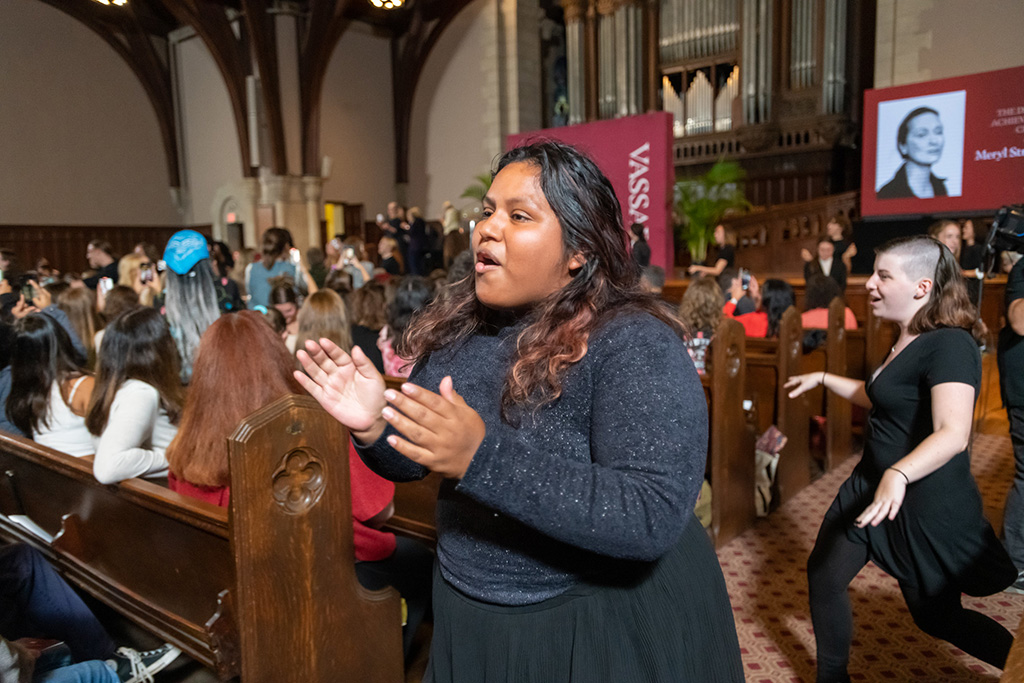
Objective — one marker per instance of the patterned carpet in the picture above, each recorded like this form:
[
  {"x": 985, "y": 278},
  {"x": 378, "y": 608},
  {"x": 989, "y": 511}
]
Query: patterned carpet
[{"x": 765, "y": 570}]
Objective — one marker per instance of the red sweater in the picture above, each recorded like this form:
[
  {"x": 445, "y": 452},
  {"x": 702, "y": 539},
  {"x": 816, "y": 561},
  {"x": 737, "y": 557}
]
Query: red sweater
[
  {"x": 755, "y": 324},
  {"x": 370, "y": 494}
]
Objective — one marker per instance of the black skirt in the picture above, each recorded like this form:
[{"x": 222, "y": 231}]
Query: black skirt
[{"x": 669, "y": 621}]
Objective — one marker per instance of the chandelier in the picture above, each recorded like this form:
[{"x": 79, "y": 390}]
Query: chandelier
[{"x": 385, "y": 4}]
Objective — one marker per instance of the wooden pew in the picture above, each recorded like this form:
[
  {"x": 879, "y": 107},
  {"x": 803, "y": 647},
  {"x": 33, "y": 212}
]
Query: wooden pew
[
  {"x": 266, "y": 591},
  {"x": 769, "y": 363},
  {"x": 730, "y": 462},
  {"x": 832, "y": 357}
]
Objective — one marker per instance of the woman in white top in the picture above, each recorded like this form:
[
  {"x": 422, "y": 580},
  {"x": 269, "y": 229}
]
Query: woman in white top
[
  {"x": 137, "y": 398},
  {"x": 49, "y": 389}
]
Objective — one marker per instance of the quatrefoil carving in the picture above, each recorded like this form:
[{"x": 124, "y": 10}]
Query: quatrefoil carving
[{"x": 298, "y": 482}]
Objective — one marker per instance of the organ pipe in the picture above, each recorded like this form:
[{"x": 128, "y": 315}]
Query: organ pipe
[
  {"x": 691, "y": 29},
  {"x": 834, "y": 80}
]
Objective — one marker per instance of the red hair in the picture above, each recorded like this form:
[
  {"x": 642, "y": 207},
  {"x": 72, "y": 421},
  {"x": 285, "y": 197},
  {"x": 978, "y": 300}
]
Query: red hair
[{"x": 241, "y": 366}]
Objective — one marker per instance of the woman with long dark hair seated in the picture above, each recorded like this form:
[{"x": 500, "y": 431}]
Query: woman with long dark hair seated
[
  {"x": 567, "y": 545},
  {"x": 50, "y": 390},
  {"x": 137, "y": 397}
]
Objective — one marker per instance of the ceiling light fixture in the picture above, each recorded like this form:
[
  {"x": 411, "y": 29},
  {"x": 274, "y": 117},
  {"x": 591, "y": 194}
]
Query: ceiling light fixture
[
  {"x": 386, "y": 4},
  {"x": 119, "y": 3}
]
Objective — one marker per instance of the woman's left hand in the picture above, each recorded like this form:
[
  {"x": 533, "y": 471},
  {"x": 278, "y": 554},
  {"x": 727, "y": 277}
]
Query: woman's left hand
[
  {"x": 441, "y": 431},
  {"x": 888, "y": 500}
]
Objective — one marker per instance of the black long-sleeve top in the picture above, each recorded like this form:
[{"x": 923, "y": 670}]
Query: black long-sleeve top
[{"x": 609, "y": 472}]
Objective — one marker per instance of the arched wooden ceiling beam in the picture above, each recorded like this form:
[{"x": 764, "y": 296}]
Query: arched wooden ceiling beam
[
  {"x": 124, "y": 32},
  {"x": 409, "y": 52},
  {"x": 323, "y": 29},
  {"x": 263, "y": 34},
  {"x": 229, "y": 52}
]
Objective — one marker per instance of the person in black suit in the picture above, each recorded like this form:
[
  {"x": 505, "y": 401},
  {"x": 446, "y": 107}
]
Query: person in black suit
[
  {"x": 640, "y": 249},
  {"x": 827, "y": 264}
]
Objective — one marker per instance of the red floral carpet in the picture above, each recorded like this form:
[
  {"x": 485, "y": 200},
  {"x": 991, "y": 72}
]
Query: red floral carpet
[{"x": 765, "y": 570}]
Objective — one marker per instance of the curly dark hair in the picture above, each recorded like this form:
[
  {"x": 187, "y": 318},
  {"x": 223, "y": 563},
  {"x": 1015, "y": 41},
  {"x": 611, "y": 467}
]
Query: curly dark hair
[{"x": 558, "y": 327}]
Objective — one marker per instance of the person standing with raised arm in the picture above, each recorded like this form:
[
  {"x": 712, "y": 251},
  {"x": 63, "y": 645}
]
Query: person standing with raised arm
[{"x": 911, "y": 505}]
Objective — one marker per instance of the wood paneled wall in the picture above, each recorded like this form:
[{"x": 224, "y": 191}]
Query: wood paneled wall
[
  {"x": 64, "y": 245},
  {"x": 770, "y": 241}
]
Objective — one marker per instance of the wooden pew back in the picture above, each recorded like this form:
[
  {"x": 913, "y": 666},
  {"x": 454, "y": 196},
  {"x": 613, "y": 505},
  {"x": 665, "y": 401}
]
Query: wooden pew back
[
  {"x": 730, "y": 445},
  {"x": 769, "y": 363},
  {"x": 271, "y": 595}
]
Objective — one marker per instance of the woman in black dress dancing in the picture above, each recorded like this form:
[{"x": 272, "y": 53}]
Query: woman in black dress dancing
[
  {"x": 572, "y": 456},
  {"x": 911, "y": 505}
]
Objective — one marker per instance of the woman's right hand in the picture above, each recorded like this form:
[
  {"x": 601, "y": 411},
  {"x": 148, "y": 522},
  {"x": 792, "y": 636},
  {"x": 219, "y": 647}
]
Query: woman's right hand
[
  {"x": 348, "y": 387},
  {"x": 805, "y": 254},
  {"x": 801, "y": 384}
]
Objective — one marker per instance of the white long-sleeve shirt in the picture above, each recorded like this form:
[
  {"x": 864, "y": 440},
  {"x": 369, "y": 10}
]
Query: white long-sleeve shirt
[{"x": 136, "y": 437}]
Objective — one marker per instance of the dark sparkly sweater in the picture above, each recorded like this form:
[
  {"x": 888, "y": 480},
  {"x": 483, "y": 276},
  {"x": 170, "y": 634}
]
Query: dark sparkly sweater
[{"x": 600, "y": 480}]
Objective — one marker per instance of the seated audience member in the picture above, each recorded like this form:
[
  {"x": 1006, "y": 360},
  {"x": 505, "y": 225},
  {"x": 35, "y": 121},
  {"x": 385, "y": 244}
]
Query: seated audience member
[
  {"x": 9, "y": 270},
  {"x": 339, "y": 282},
  {"x": 455, "y": 242},
  {"x": 137, "y": 398},
  {"x": 820, "y": 292},
  {"x": 775, "y": 297},
  {"x": 412, "y": 294},
  {"x": 390, "y": 256},
  {"x": 15, "y": 309},
  {"x": 701, "y": 311},
  {"x": 100, "y": 256},
  {"x": 838, "y": 230},
  {"x": 736, "y": 297},
  {"x": 79, "y": 304},
  {"x": 285, "y": 299},
  {"x": 724, "y": 256},
  {"x": 50, "y": 389},
  {"x": 225, "y": 391},
  {"x": 114, "y": 303},
  {"x": 353, "y": 261},
  {"x": 826, "y": 264},
  {"x": 462, "y": 266},
  {"x": 323, "y": 316},
  {"x": 38, "y": 604},
  {"x": 317, "y": 265},
  {"x": 369, "y": 316},
  {"x": 222, "y": 263},
  {"x": 137, "y": 271},
  {"x": 274, "y": 263},
  {"x": 653, "y": 279},
  {"x": 190, "y": 297},
  {"x": 275, "y": 319},
  {"x": 57, "y": 288}
]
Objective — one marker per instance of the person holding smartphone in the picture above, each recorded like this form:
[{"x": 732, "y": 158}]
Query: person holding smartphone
[
  {"x": 354, "y": 262},
  {"x": 276, "y": 260}
]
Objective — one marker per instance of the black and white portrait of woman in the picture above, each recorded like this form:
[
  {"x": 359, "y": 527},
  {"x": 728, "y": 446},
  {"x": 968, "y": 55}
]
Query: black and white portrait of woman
[{"x": 928, "y": 155}]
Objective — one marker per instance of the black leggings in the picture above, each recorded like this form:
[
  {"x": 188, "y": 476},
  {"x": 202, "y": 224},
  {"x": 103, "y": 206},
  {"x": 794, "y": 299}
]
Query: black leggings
[{"x": 831, "y": 567}]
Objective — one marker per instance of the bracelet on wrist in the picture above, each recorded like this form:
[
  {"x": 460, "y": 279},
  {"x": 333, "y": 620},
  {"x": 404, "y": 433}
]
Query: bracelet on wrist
[
  {"x": 823, "y": 373},
  {"x": 901, "y": 472}
]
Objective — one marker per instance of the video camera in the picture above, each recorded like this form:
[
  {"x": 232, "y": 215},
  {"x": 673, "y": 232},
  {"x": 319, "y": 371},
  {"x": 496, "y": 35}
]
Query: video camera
[{"x": 1007, "y": 230}]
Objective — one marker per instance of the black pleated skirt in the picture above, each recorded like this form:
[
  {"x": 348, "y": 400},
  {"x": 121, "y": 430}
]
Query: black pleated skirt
[{"x": 670, "y": 622}]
